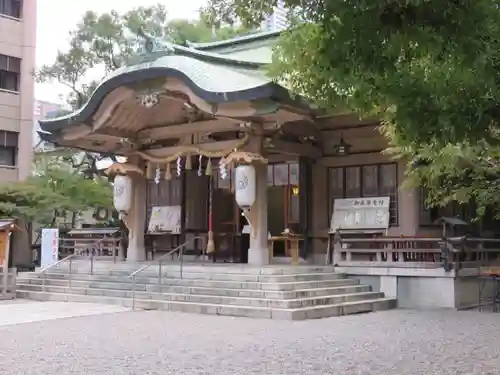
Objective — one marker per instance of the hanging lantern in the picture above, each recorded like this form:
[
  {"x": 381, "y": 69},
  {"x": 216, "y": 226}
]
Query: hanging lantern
[
  {"x": 189, "y": 162},
  {"x": 245, "y": 185},
  {"x": 122, "y": 193},
  {"x": 168, "y": 172},
  {"x": 208, "y": 171},
  {"x": 179, "y": 168},
  {"x": 342, "y": 148}
]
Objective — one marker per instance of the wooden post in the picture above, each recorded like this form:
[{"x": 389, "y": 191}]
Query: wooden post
[{"x": 6, "y": 265}]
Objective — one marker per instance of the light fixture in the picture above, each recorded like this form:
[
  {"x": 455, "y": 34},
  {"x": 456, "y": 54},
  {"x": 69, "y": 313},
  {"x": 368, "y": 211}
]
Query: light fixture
[
  {"x": 342, "y": 148},
  {"x": 295, "y": 191}
]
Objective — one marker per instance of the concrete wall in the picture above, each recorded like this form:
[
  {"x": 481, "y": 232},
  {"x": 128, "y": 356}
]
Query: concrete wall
[
  {"x": 423, "y": 288},
  {"x": 18, "y": 39}
]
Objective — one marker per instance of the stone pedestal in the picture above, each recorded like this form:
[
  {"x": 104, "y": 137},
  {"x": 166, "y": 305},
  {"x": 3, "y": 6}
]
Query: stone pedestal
[{"x": 258, "y": 254}]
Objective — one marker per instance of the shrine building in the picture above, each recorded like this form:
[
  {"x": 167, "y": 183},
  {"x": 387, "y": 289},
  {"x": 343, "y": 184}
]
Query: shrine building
[{"x": 187, "y": 117}]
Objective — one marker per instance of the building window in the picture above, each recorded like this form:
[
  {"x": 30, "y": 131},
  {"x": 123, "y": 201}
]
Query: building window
[
  {"x": 11, "y": 8},
  {"x": 373, "y": 180},
  {"x": 8, "y": 148},
  {"x": 10, "y": 71}
]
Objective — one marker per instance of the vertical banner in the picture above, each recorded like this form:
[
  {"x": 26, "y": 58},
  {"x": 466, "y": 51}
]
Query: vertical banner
[{"x": 50, "y": 247}]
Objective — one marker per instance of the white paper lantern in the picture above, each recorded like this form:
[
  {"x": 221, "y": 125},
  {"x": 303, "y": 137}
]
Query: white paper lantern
[
  {"x": 122, "y": 193},
  {"x": 245, "y": 185}
]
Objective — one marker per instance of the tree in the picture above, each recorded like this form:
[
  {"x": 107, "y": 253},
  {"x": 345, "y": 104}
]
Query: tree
[
  {"x": 428, "y": 69},
  {"x": 462, "y": 173},
  {"x": 183, "y": 31},
  {"x": 108, "y": 40},
  {"x": 55, "y": 188}
]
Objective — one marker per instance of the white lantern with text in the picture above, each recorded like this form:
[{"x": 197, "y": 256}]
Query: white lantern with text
[
  {"x": 122, "y": 193},
  {"x": 245, "y": 186}
]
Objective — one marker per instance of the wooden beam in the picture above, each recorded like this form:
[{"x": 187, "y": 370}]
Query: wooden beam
[
  {"x": 301, "y": 129},
  {"x": 344, "y": 121},
  {"x": 294, "y": 148},
  {"x": 210, "y": 126},
  {"x": 75, "y": 132},
  {"x": 115, "y": 133}
]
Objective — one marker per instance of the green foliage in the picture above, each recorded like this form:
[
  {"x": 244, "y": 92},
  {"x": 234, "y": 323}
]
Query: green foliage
[
  {"x": 55, "y": 187},
  {"x": 462, "y": 173},
  {"x": 429, "y": 69}
]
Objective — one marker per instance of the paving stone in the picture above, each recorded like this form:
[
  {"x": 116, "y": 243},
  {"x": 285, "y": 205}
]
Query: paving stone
[
  {"x": 394, "y": 342},
  {"x": 24, "y": 311}
]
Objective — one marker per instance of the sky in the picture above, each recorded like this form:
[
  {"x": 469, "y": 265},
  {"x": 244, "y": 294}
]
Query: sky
[{"x": 57, "y": 17}]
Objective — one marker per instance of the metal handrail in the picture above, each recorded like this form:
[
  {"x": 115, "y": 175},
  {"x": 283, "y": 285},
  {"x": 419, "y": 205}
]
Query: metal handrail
[
  {"x": 65, "y": 259},
  {"x": 44, "y": 270},
  {"x": 159, "y": 261}
]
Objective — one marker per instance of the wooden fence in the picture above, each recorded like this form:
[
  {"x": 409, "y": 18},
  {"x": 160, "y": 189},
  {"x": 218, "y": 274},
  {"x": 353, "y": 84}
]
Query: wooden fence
[{"x": 416, "y": 252}]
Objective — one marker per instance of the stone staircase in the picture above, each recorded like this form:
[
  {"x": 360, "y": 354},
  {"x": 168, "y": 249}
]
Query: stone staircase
[{"x": 274, "y": 292}]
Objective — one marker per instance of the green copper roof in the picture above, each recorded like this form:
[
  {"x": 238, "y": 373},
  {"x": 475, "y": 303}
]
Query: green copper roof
[
  {"x": 244, "y": 40},
  {"x": 214, "y": 77},
  {"x": 256, "y": 47}
]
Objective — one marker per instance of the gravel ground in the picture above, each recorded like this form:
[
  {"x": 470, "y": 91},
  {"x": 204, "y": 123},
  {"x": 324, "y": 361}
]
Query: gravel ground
[{"x": 152, "y": 342}]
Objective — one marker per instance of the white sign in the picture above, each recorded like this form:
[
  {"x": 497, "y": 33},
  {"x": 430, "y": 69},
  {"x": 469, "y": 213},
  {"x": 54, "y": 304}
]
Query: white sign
[
  {"x": 360, "y": 213},
  {"x": 50, "y": 247},
  {"x": 165, "y": 219}
]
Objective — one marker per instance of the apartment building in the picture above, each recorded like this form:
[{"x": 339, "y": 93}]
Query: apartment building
[
  {"x": 17, "y": 64},
  {"x": 277, "y": 20},
  {"x": 44, "y": 110}
]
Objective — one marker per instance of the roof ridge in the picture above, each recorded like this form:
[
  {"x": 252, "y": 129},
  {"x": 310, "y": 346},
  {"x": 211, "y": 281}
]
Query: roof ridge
[{"x": 262, "y": 35}]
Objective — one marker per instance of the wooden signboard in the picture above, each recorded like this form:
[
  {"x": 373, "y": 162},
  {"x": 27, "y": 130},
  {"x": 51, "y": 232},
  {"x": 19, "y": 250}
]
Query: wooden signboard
[
  {"x": 165, "y": 219},
  {"x": 360, "y": 214}
]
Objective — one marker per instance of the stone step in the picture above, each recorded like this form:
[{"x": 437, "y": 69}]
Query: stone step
[
  {"x": 143, "y": 282},
  {"x": 302, "y": 313},
  {"x": 211, "y": 299},
  {"x": 209, "y": 276},
  {"x": 353, "y": 287},
  {"x": 127, "y": 268}
]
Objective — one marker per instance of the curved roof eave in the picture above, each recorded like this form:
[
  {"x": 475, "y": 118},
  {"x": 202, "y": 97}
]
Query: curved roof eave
[{"x": 83, "y": 115}]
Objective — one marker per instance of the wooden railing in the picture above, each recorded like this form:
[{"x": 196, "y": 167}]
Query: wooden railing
[
  {"x": 417, "y": 252},
  {"x": 88, "y": 246}
]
